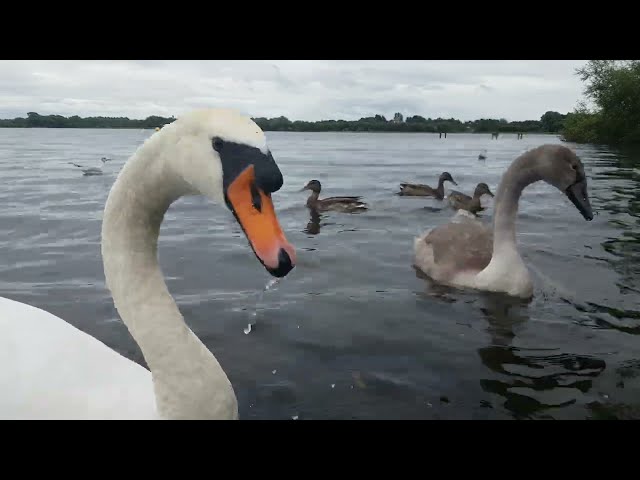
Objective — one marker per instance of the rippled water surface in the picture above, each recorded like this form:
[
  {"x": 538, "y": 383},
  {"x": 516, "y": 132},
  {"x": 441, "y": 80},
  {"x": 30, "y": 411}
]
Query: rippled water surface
[{"x": 353, "y": 332}]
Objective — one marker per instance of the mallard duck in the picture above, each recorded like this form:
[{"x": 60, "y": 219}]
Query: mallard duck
[
  {"x": 338, "y": 204},
  {"x": 419, "y": 190},
  {"x": 461, "y": 201},
  {"x": 467, "y": 253}
]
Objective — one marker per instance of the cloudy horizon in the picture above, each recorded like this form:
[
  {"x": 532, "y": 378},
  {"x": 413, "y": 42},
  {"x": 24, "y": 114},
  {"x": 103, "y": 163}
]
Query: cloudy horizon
[{"x": 309, "y": 90}]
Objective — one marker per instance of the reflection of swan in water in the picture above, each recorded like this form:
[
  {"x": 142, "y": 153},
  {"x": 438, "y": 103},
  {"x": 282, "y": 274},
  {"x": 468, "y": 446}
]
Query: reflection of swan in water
[
  {"x": 531, "y": 381},
  {"x": 92, "y": 170}
]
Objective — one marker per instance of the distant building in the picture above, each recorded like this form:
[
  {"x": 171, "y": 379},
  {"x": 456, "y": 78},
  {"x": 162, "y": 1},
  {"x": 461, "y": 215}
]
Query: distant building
[{"x": 398, "y": 118}]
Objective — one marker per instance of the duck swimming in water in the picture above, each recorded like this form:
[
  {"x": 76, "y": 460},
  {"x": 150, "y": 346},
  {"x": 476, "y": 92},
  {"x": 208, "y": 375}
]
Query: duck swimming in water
[
  {"x": 461, "y": 201},
  {"x": 337, "y": 204},
  {"x": 420, "y": 190},
  {"x": 466, "y": 253}
]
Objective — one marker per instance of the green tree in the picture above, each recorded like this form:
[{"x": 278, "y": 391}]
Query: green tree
[
  {"x": 552, "y": 121},
  {"x": 613, "y": 86}
]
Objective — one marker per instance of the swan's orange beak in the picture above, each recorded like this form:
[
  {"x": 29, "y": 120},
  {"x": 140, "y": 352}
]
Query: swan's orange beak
[{"x": 256, "y": 215}]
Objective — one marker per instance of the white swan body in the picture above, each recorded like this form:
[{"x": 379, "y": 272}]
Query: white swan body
[
  {"x": 50, "y": 369},
  {"x": 466, "y": 253}
]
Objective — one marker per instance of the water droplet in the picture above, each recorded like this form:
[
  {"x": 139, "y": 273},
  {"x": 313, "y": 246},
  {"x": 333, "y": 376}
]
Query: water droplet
[
  {"x": 333, "y": 385},
  {"x": 295, "y": 417},
  {"x": 274, "y": 372},
  {"x": 254, "y": 313}
]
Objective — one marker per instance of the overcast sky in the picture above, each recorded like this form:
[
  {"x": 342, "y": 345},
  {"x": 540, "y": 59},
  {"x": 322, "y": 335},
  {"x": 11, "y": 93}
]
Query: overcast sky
[{"x": 298, "y": 89}]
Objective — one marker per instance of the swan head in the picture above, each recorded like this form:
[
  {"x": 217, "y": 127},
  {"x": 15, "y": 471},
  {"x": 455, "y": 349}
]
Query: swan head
[
  {"x": 224, "y": 156},
  {"x": 562, "y": 168},
  {"x": 446, "y": 177}
]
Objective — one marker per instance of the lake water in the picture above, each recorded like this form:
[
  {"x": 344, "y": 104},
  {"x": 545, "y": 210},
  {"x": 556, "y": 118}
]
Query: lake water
[{"x": 353, "y": 332}]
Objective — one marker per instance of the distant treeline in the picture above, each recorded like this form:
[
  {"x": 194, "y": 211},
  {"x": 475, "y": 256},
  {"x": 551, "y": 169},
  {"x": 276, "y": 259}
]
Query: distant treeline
[
  {"x": 550, "y": 122},
  {"x": 35, "y": 120}
]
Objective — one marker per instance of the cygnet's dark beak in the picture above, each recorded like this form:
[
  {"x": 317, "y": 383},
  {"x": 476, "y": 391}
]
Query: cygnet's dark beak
[{"x": 578, "y": 195}]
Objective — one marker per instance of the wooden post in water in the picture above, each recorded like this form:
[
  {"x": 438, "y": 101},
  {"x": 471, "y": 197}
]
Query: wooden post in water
[
  {"x": 495, "y": 134},
  {"x": 445, "y": 134}
]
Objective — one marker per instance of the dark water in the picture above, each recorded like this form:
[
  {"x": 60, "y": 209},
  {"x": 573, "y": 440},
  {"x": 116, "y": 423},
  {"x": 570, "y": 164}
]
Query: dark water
[{"x": 353, "y": 332}]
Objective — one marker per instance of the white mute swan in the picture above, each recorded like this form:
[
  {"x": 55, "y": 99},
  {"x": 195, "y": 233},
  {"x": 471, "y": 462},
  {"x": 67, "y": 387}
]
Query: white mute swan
[
  {"x": 51, "y": 370},
  {"x": 466, "y": 253}
]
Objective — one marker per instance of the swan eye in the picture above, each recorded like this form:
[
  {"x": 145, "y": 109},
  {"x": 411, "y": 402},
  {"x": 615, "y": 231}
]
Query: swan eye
[{"x": 217, "y": 144}]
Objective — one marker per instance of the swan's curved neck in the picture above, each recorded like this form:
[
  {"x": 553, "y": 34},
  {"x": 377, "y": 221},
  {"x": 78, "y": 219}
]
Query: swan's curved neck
[
  {"x": 440, "y": 188},
  {"x": 507, "y": 271},
  {"x": 188, "y": 380},
  {"x": 518, "y": 176}
]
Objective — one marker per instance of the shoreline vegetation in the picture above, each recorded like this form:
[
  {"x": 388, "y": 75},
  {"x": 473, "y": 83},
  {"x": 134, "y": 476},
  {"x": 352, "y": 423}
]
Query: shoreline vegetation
[
  {"x": 550, "y": 123},
  {"x": 612, "y": 86}
]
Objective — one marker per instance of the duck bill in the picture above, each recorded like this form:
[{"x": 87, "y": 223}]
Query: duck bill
[
  {"x": 578, "y": 195},
  {"x": 256, "y": 215}
]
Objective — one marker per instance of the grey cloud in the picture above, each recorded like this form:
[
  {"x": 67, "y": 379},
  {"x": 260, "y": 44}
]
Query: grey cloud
[{"x": 299, "y": 90}]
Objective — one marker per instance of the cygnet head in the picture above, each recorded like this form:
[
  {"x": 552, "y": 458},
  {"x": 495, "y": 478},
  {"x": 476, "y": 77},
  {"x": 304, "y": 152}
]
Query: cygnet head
[{"x": 561, "y": 167}]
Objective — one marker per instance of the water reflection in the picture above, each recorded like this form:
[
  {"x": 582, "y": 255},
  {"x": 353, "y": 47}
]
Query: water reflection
[
  {"x": 601, "y": 316},
  {"x": 620, "y": 198},
  {"x": 627, "y": 374},
  {"x": 531, "y": 382},
  {"x": 313, "y": 227}
]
